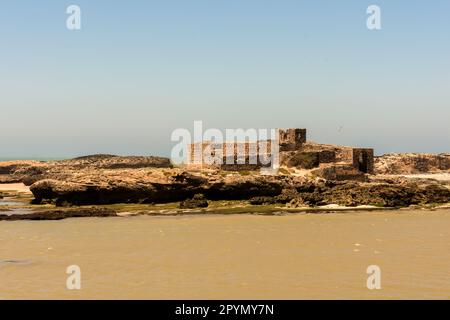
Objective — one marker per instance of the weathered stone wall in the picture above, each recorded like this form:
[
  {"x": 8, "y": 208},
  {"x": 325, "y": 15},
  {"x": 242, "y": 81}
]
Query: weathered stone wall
[
  {"x": 330, "y": 153},
  {"x": 294, "y": 152},
  {"x": 229, "y": 153},
  {"x": 291, "y": 139},
  {"x": 327, "y": 156},
  {"x": 344, "y": 154}
]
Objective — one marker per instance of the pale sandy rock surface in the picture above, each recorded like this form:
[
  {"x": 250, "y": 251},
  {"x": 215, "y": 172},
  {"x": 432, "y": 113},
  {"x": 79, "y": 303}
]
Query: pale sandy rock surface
[
  {"x": 17, "y": 187},
  {"x": 412, "y": 163}
]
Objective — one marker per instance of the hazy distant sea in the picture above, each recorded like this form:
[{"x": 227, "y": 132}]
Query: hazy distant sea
[{"x": 32, "y": 158}]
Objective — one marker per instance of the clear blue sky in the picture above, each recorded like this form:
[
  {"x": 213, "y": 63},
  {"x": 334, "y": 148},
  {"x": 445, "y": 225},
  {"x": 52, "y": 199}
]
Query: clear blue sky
[{"x": 140, "y": 69}]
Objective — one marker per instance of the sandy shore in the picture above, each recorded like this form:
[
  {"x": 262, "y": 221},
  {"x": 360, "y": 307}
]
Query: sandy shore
[
  {"x": 19, "y": 187},
  {"x": 240, "y": 256},
  {"x": 437, "y": 176},
  {"x": 442, "y": 176}
]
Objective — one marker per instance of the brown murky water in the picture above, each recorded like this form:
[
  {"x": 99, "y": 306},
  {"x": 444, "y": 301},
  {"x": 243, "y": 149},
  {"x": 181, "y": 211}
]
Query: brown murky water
[{"x": 212, "y": 257}]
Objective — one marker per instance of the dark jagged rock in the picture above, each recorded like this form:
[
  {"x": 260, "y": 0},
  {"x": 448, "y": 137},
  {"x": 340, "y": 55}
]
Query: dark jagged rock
[
  {"x": 159, "y": 187},
  {"x": 188, "y": 178},
  {"x": 296, "y": 203},
  {"x": 61, "y": 214},
  {"x": 384, "y": 195},
  {"x": 354, "y": 194},
  {"x": 198, "y": 201},
  {"x": 284, "y": 197},
  {"x": 151, "y": 187}
]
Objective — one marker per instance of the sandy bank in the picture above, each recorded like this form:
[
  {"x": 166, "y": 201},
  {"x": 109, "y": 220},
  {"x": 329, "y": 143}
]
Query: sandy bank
[{"x": 17, "y": 187}]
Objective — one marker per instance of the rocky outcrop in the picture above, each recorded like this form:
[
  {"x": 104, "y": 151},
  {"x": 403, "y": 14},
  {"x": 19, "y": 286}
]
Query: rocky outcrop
[
  {"x": 383, "y": 195},
  {"x": 105, "y": 179},
  {"x": 412, "y": 163},
  {"x": 341, "y": 172},
  {"x": 8, "y": 169},
  {"x": 352, "y": 194},
  {"x": 198, "y": 201},
  {"x": 103, "y": 161},
  {"x": 284, "y": 197},
  {"x": 157, "y": 186},
  {"x": 150, "y": 186},
  {"x": 61, "y": 214},
  {"x": 30, "y": 172}
]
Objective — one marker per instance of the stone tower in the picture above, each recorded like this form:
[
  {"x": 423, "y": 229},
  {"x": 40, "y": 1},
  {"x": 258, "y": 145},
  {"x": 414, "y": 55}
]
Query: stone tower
[{"x": 291, "y": 139}]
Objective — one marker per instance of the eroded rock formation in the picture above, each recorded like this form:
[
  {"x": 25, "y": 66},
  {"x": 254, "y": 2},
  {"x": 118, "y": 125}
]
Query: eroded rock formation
[
  {"x": 101, "y": 180},
  {"x": 411, "y": 163},
  {"x": 198, "y": 201}
]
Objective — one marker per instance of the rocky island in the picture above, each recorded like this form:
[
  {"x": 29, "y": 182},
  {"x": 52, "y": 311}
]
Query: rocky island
[{"x": 311, "y": 178}]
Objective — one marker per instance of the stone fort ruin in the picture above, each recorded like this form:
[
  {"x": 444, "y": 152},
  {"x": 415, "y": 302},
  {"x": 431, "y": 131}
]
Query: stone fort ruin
[{"x": 294, "y": 151}]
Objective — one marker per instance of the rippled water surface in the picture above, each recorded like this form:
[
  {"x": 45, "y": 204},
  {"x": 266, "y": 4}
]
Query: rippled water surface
[
  {"x": 9, "y": 202},
  {"x": 240, "y": 256}
]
